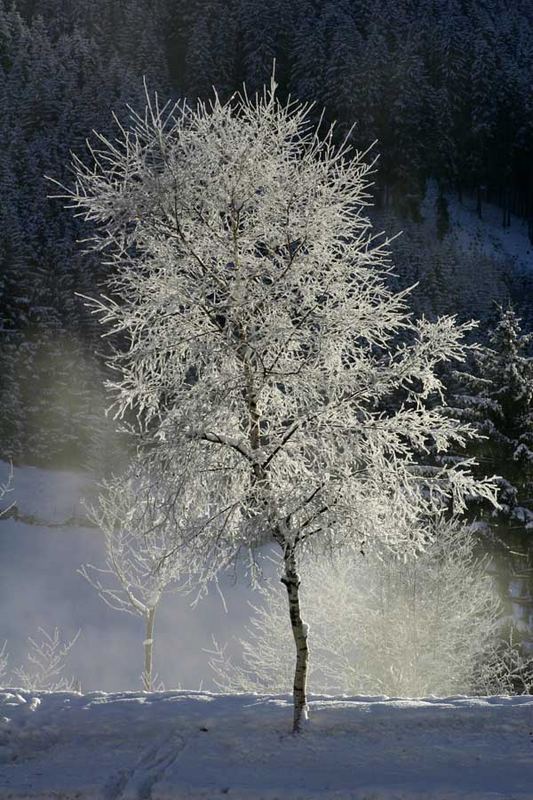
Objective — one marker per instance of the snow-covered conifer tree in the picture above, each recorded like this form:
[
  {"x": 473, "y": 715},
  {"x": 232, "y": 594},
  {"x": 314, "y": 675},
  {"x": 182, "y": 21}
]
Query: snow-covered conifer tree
[
  {"x": 499, "y": 399},
  {"x": 262, "y": 340}
]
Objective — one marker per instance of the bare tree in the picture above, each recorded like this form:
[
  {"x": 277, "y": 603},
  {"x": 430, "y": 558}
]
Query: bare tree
[
  {"x": 263, "y": 340},
  {"x": 4, "y": 661},
  {"x": 5, "y": 488},
  {"x": 509, "y": 667},
  {"x": 139, "y": 567}
]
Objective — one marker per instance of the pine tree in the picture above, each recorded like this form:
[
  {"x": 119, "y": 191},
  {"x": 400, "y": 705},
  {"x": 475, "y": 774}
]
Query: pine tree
[
  {"x": 442, "y": 216},
  {"x": 500, "y": 402},
  {"x": 307, "y": 48},
  {"x": 343, "y": 46},
  {"x": 265, "y": 27}
]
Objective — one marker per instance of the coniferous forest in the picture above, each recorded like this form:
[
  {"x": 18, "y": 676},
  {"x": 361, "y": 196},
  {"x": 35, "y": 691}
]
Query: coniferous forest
[
  {"x": 440, "y": 89},
  {"x": 443, "y": 88}
]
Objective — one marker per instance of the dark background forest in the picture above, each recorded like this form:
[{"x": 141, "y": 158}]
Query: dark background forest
[{"x": 443, "y": 86}]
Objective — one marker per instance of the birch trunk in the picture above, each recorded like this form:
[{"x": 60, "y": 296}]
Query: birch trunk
[
  {"x": 148, "y": 650},
  {"x": 291, "y": 579}
]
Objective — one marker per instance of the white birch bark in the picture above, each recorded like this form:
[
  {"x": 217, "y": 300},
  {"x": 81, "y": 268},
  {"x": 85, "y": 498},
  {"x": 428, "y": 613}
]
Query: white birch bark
[
  {"x": 291, "y": 580},
  {"x": 149, "y": 650}
]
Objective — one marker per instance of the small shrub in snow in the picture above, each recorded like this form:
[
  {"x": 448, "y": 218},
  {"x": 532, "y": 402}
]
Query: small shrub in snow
[
  {"x": 508, "y": 669},
  {"x": 46, "y": 662}
]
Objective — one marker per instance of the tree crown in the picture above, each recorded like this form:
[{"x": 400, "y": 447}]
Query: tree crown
[{"x": 263, "y": 339}]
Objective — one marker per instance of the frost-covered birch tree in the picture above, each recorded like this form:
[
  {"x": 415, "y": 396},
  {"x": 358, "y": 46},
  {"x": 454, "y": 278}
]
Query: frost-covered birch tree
[
  {"x": 140, "y": 560},
  {"x": 262, "y": 339}
]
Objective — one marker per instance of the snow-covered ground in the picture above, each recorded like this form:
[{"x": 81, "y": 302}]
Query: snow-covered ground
[
  {"x": 176, "y": 745},
  {"x": 510, "y": 245}
]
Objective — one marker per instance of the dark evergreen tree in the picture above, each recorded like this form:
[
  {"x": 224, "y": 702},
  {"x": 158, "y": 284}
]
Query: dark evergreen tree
[
  {"x": 499, "y": 401},
  {"x": 442, "y": 216},
  {"x": 307, "y": 47}
]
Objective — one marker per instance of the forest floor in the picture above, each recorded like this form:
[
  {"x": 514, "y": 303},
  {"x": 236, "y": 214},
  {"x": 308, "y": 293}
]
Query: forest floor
[{"x": 174, "y": 745}]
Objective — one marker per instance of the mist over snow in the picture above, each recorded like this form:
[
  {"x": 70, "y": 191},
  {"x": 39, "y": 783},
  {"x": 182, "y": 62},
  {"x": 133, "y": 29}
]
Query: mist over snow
[
  {"x": 40, "y": 587},
  {"x": 186, "y": 745}
]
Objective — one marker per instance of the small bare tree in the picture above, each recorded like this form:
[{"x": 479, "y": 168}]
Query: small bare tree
[
  {"x": 4, "y": 655},
  {"x": 4, "y": 661},
  {"x": 508, "y": 669},
  {"x": 5, "y": 488},
  {"x": 139, "y": 566},
  {"x": 263, "y": 342}
]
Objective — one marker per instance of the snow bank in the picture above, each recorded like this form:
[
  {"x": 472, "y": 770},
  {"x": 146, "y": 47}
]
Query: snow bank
[{"x": 173, "y": 745}]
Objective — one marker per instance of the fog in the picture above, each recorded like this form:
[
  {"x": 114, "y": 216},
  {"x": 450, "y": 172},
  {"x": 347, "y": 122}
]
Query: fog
[{"x": 40, "y": 587}]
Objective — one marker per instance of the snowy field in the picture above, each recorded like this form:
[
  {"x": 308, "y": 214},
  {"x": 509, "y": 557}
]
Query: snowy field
[{"x": 178, "y": 745}]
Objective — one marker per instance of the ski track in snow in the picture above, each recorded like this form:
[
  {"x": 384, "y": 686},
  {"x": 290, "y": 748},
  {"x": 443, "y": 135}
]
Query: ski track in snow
[
  {"x": 137, "y": 784},
  {"x": 177, "y": 745}
]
